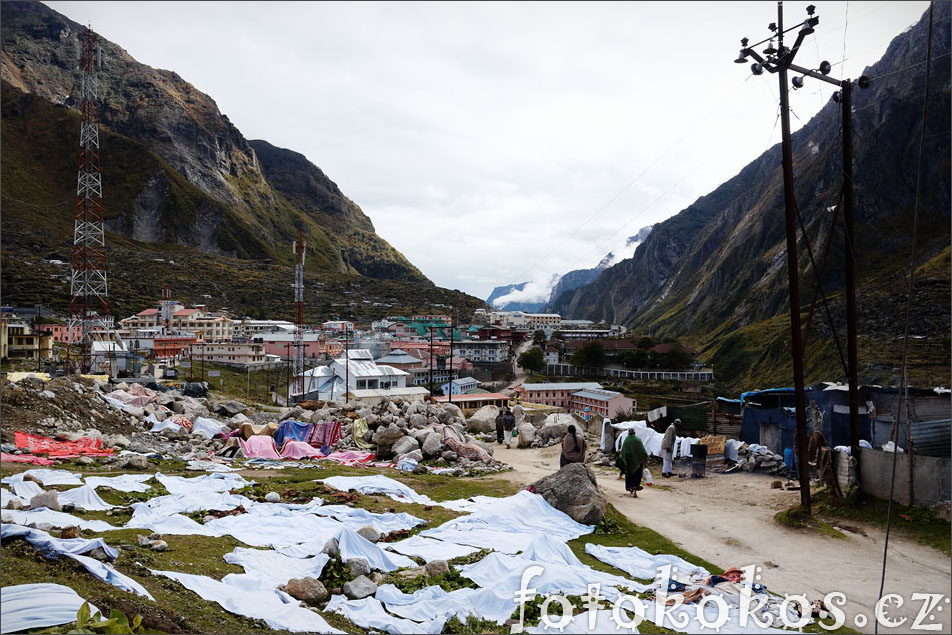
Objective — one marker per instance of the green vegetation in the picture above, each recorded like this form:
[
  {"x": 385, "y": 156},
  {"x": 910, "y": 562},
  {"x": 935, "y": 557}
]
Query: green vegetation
[
  {"x": 590, "y": 355},
  {"x": 533, "y": 360},
  {"x": 117, "y": 622},
  {"x": 797, "y": 517}
]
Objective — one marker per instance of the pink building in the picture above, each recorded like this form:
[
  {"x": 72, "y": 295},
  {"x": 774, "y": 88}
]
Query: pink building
[
  {"x": 60, "y": 332},
  {"x": 554, "y": 394}
]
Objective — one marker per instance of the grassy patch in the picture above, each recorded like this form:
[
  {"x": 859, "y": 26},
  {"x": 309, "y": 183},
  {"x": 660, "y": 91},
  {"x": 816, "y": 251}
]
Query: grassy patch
[
  {"x": 797, "y": 518},
  {"x": 918, "y": 523}
]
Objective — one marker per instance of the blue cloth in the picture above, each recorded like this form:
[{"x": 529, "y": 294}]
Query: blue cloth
[{"x": 292, "y": 431}]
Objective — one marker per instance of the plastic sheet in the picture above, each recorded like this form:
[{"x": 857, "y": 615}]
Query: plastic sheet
[
  {"x": 378, "y": 484},
  {"x": 34, "y": 606},
  {"x": 640, "y": 564},
  {"x": 260, "y": 447},
  {"x": 44, "y": 445},
  {"x": 509, "y": 525},
  {"x": 84, "y": 497},
  {"x": 122, "y": 483},
  {"x": 279, "y": 611},
  {"x": 430, "y": 549},
  {"x": 46, "y": 477},
  {"x": 369, "y": 613}
]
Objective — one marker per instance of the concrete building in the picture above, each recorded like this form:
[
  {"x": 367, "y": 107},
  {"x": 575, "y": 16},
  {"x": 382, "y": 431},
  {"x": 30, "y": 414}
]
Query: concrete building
[
  {"x": 553, "y": 394},
  {"x": 339, "y": 326},
  {"x": 61, "y": 334},
  {"x": 398, "y": 358},
  {"x": 316, "y": 345},
  {"x": 459, "y": 386},
  {"x": 479, "y": 351},
  {"x": 248, "y": 328},
  {"x": 476, "y": 401},
  {"x": 356, "y": 371},
  {"x": 18, "y": 339},
  {"x": 598, "y": 404},
  {"x": 228, "y": 353}
]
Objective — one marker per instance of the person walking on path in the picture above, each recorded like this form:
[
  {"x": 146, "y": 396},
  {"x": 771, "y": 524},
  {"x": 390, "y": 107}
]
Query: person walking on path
[
  {"x": 631, "y": 462},
  {"x": 667, "y": 449},
  {"x": 508, "y": 424},
  {"x": 500, "y": 421},
  {"x": 573, "y": 448}
]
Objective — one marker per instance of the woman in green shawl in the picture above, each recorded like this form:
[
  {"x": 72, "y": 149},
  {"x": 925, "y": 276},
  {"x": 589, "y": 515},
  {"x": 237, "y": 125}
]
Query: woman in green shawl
[{"x": 631, "y": 462}]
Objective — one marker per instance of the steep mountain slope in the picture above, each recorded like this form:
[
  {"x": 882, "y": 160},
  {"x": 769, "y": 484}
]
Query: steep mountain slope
[
  {"x": 720, "y": 265},
  {"x": 231, "y": 207},
  {"x": 498, "y": 299}
]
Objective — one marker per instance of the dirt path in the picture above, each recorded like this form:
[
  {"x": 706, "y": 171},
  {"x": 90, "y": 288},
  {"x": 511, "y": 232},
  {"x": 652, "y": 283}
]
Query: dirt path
[
  {"x": 728, "y": 520},
  {"x": 520, "y": 374}
]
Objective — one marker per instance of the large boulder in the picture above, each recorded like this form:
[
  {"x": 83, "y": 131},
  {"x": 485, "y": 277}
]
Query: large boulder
[
  {"x": 483, "y": 420},
  {"x": 404, "y": 445},
  {"x": 231, "y": 408},
  {"x": 555, "y": 426},
  {"x": 385, "y": 438},
  {"x": 308, "y": 590},
  {"x": 527, "y": 434},
  {"x": 359, "y": 588},
  {"x": 433, "y": 444},
  {"x": 48, "y": 499},
  {"x": 574, "y": 491}
]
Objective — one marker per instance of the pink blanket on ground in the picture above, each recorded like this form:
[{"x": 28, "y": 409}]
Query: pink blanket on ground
[
  {"x": 348, "y": 457},
  {"x": 260, "y": 447},
  {"x": 299, "y": 450},
  {"x": 25, "y": 458}
]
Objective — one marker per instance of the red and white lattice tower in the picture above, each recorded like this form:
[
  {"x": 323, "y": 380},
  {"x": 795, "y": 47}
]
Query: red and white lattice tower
[
  {"x": 89, "y": 293},
  {"x": 297, "y": 362}
]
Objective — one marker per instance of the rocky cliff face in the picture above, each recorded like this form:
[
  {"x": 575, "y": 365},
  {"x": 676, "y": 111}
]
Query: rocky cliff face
[
  {"x": 720, "y": 264},
  {"x": 205, "y": 186}
]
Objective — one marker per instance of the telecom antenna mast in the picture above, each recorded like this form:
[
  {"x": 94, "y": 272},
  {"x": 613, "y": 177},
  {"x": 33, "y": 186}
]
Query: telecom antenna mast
[
  {"x": 297, "y": 384},
  {"x": 89, "y": 294}
]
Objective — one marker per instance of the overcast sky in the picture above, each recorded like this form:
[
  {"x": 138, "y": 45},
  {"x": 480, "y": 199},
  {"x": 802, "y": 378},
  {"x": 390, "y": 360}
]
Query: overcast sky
[{"x": 497, "y": 143}]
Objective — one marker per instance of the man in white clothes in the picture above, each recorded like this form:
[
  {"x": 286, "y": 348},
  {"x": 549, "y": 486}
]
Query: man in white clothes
[{"x": 667, "y": 448}]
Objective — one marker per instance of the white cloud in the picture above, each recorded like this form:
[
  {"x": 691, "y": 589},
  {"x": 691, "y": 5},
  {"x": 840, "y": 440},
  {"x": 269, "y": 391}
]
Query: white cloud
[{"x": 497, "y": 142}]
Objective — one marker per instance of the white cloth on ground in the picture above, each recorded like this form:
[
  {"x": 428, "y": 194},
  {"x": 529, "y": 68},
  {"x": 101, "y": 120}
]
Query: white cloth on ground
[
  {"x": 46, "y": 477},
  {"x": 175, "y": 524},
  {"x": 369, "y": 613},
  {"x": 278, "y": 610},
  {"x": 503, "y": 574},
  {"x": 267, "y": 570},
  {"x": 730, "y": 449},
  {"x": 207, "y": 427},
  {"x": 6, "y": 496},
  {"x": 378, "y": 484},
  {"x": 26, "y": 490},
  {"x": 432, "y": 602},
  {"x": 430, "y": 548},
  {"x": 509, "y": 524},
  {"x": 165, "y": 424},
  {"x": 107, "y": 573},
  {"x": 52, "y": 546},
  {"x": 192, "y": 502},
  {"x": 33, "y": 606},
  {"x": 604, "y": 623},
  {"x": 206, "y": 483},
  {"x": 277, "y": 532},
  {"x": 122, "y": 483},
  {"x": 353, "y": 545},
  {"x": 54, "y": 519},
  {"x": 640, "y": 564},
  {"x": 545, "y": 548},
  {"x": 356, "y": 517},
  {"x": 84, "y": 497}
]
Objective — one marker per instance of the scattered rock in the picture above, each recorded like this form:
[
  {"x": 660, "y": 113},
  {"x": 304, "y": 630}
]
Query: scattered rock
[
  {"x": 574, "y": 490},
  {"x": 412, "y": 573},
  {"x": 369, "y": 532},
  {"x": 155, "y": 536},
  {"x": 14, "y": 504},
  {"x": 70, "y": 532},
  {"x": 404, "y": 445},
  {"x": 331, "y": 548},
  {"x": 776, "y": 485},
  {"x": 432, "y": 444},
  {"x": 48, "y": 499},
  {"x": 160, "y": 545},
  {"x": 527, "y": 435},
  {"x": 135, "y": 462},
  {"x": 99, "y": 554},
  {"x": 359, "y": 588},
  {"x": 143, "y": 541},
  {"x": 85, "y": 460},
  {"x": 385, "y": 438},
  {"x": 273, "y": 497},
  {"x": 449, "y": 456},
  {"x": 359, "y": 566},
  {"x": 435, "y": 568},
  {"x": 377, "y": 578},
  {"x": 307, "y": 590}
]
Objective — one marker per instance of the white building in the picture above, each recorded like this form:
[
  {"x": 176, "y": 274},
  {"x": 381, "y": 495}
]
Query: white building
[
  {"x": 248, "y": 328},
  {"x": 459, "y": 386},
  {"x": 355, "y": 372},
  {"x": 482, "y": 351}
]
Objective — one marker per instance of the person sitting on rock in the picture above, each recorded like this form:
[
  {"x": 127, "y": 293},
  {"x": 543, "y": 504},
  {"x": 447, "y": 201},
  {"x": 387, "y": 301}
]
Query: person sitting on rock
[{"x": 573, "y": 448}]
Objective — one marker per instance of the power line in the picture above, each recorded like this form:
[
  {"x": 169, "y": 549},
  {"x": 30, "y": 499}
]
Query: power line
[{"x": 904, "y": 381}]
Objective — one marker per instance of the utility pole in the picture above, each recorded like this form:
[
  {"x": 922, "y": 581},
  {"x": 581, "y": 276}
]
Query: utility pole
[
  {"x": 297, "y": 385},
  {"x": 452, "y": 326},
  {"x": 430, "y": 328},
  {"x": 779, "y": 60},
  {"x": 346, "y": 361}
]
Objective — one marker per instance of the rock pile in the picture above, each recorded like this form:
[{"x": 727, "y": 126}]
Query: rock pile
[{"x": 760, "y": 458}]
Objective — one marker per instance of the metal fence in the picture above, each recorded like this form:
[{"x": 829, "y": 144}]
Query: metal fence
[{"x": 568, "y": 370}]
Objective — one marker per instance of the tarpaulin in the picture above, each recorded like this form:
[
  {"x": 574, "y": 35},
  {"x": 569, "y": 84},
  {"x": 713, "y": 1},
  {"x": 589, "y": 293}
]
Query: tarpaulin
[
  {"x": 62, "y": 449},
  {"x": 84, "y": 497},
  {"x": 378, "y": 484},
  {"x": 430, "y": 549},
  {"x": 122, "y": 483},
  {"x": 46, "y": 477},
  {"x": 432, "y": 602},
  {"x": 54, "y": 519},
  {"x": 350, "y": 457},
  {"x": 25, "y": 458},
  {"x": 34, "y": 606},
  {"x": 72, "y": 548},
  {"x": 509, "y": 524},
  {"x": 267, "y": 569},
  {"x": 503, "y": 574},
  {"x": 279, "y": 611},
  {"x": 260, "y": 447},
  {"x": 206, "y": 483},
  {"x": 290, "y": 430},
  {"x": 639, "y": 563},
  {"x": 207, "y": 427},
  {"x": 299, "y": 450},
  {"x": 369, "y": 613}
]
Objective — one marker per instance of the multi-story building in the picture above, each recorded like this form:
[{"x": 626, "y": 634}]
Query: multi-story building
[
  {"x": 553, "y": 394},
  {"x": 482, "y": 351},
  {"x": 248, "y": 328},
  {"x": 459, "y": 386},
  {"x": 338, "y": 325},
  {"x": 61, "y": 334},
  {"x": 316, "y": 345},
  {"x": 228, "y": 353},
  {"x": 355, "y": 372},
  {"x": 599, "y": 404},
  {"x": 18, "y": 339}
]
